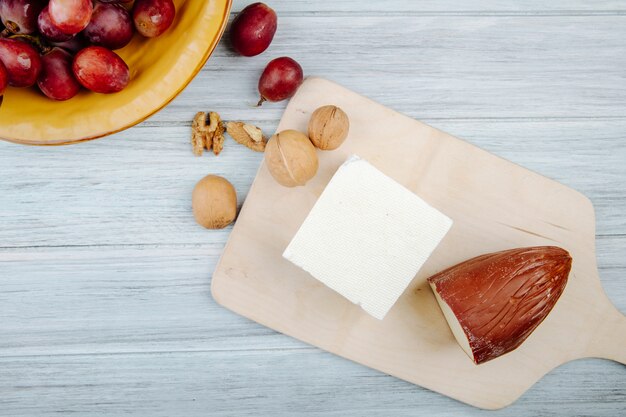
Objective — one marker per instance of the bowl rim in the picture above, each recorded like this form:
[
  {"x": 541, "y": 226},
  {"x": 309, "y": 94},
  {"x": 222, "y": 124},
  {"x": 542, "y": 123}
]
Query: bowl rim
[{"x": 201, "y": 63}]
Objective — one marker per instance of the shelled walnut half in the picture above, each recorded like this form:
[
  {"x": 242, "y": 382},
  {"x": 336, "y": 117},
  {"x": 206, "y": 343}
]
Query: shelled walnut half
[
  {"x": 207, "y": 132},
  {"x": 247, "y": 135}
]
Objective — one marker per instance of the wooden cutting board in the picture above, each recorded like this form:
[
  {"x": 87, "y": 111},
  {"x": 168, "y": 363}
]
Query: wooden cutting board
[{"x": 494, "y": 204}]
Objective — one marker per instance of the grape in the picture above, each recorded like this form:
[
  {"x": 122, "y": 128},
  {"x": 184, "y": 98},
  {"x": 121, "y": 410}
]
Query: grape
[
  {"x": 20, "y": 16},
  {"x": 4, "y": 80},
  {"x": 115, "y": 1},
  {"x": 280, "y": 79},
  {"x": 110, "y": 26},
  {"x": 70, "y": 16},
  {"x": 57, "y": 79},
  {"x": 75, "y": 44},
  {"x": 21, "y": 60},
  {"x": 253, "y": 29},
  {"x": 48, "y": 30},
  {"x": 100, "y": 70},
  {"x": 153, "y": 17}
]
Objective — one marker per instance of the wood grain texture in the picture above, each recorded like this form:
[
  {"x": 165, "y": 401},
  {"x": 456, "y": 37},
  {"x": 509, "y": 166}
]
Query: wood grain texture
[
  {"x": 494, "y": 205},
  {"x": 355, "y": 7},
  {"x": 439, "y": 66},
  {"x": 132, "y": 188},
  {"x": 104, "y": 277},
  {"x": 266, "y": 382}
]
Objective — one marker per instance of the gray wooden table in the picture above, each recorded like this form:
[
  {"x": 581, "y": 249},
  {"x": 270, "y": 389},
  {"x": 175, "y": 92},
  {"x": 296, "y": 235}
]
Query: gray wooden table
[{"x": 105, "y": 306}]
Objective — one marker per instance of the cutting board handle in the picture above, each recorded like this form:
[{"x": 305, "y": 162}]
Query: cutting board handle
[{"x": 609, "y": 340}]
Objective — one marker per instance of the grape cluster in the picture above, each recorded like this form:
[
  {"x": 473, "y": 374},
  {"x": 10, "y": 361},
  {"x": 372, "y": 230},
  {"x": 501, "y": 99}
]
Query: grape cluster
[{"x": 63, "y": 45}]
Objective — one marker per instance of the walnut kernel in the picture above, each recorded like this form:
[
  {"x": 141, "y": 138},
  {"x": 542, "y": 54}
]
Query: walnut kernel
[
  {"x": 207, "y": 135},
  {"x": 247, "y": 135}
]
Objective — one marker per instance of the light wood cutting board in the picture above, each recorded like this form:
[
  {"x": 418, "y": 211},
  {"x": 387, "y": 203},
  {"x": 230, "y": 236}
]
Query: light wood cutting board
[{"x": 494, "y": 204}]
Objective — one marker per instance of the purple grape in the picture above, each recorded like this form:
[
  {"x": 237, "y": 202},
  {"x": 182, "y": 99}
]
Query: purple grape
[
  {"x": 100, "y": 70},
  {"x": 153, "y": 17},
  {"x": 280, "y": 79},
  {"x": 70, "y": 16},
  {"x": 57, "y": 80},
  {"x": 20, "y": 16},
  {"x": 4, "y": 80},
  {"x": 253, "y": 29},
  {"x": 21, "y": 60},
  {"x": 73, "y": 45},
  {"x": 110, "y": 26},
  {"x": 48, "y": 30}
]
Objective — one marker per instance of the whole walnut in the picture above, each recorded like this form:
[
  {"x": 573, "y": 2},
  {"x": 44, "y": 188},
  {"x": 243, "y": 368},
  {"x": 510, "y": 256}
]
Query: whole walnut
[
  {"x": 214, "y": 202},
  {"x": 291, "y": 158},
  {"x": 328, "y": 127}
]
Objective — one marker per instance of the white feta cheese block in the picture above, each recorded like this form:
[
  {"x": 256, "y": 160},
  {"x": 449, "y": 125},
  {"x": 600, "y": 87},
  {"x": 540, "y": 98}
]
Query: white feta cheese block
[{"x": 367, "y": 237}]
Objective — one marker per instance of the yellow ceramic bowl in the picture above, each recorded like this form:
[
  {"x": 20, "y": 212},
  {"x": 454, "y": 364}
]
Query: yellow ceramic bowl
[{"x": 160, "y": 68}]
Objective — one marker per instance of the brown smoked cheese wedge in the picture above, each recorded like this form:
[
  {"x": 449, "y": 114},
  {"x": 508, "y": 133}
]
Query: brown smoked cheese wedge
[{"x": 494, "y": 302}]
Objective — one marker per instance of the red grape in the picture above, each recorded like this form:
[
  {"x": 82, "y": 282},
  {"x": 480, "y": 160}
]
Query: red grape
[
  {"x": 70, "y": 16},
  {"x": 153, "y": 17},
  {"x": 4, "y": 80},
  {"x": 73, "y": 45},
  {"x": 280, "y": 79},
  {"x": 20, "y": 16},
  {"x": 57, "y": 79},
  {"x": 253, "y": 29},
  {"x": 110, "y": 26},
  {"x": 100, "y": 70},
  {"x": 115, "y": 1},
  {"x": 21, "y": 60},
  {"x": 48, "y": 30}
]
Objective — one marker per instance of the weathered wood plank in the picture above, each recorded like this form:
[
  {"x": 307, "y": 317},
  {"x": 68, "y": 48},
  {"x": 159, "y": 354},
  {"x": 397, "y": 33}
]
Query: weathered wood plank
[
  {"x": 273, "y": 383},
  {"x": 133, "y": 299},
  {"x": 436, "y": 66},
  {"x": 135, "y": 187},
  {"x": 355, "y": 7},
  {"x": 116, "y": 318}
]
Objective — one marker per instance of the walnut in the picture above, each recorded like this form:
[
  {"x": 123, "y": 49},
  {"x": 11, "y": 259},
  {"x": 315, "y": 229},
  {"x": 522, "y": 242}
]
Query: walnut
[
  {"x": 198, "y": 128},
  {"x": 291, "y": 158},
  {"x": 328, "y": 127},
  {"x": 214, "y": 202},
  {"x": 247, "y": 135},
  {"x": 207, "y": 136},
  {"x": 218, "y": 135}
]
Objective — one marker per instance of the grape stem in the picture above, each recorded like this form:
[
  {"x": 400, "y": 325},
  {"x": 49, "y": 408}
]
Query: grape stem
[
  {"x": 12, "y": 27},
  {"x": 261, "y": 101},
  {"x": 35, "y": 41}
]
